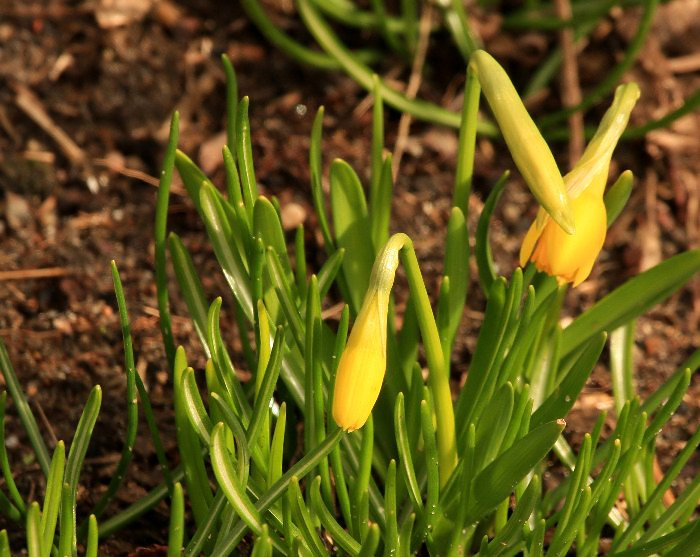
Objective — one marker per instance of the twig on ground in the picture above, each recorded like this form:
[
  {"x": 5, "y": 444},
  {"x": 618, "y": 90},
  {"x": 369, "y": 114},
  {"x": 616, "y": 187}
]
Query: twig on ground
[
  {"x": 30, "y": 104},
  {"x": 22, "y": 274},
  {"x": 413, "y": 85}
]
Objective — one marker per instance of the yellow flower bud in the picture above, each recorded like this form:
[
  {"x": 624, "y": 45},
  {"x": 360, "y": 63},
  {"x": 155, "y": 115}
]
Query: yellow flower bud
[
  {"x": 570, "y": 258},
  {"x": 363, "y": 362},
  {"x": 530, "y": 152}
]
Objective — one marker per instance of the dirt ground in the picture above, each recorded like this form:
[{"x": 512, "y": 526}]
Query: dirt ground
[{"x": 85, "y": 100}]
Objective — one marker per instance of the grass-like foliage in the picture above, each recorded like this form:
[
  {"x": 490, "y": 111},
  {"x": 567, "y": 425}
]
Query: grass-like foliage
[{"x": 430, "y": 470}]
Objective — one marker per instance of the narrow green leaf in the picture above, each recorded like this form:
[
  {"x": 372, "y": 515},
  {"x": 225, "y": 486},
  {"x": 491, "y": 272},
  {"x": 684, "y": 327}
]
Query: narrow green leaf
[
  {"x": 229, "y": 258},
  {"x": 4, "y": 544},
  {"x": 160, "y": 235},
  {"x": 274, "y": 470},
  {"x": 228, "y": 481},
  {"x": 191, "y": 288},
  {"x": 23, "y": 410},
  {"x": 34, "y": 530},
  {"x": 562, "y": 399},
  {"x": 456, "y": 269},
  {"x": 513, "y": 528},
  {"x": 244, "y": 152},
  {"x": 369, "y": 546},
  {"x": 194, "y": 407},
  {"x": 52, "y": 498},
  {"x": 492, "y": 426},
  {"x": 189, "y": 446},
  {"x": 352, "y": 229},
  {"x": 91, "y": 546},
  {"x": 467, "y": 141},
  {"x": 263, "y": 545},
  {"x": 631, "y": 299},
  {"x": 339, "y": 535},
  {"x": 300, "y": 469},
  {"x": 391, "y": 533},
  {"x": 267, "y": 226},
  {"x": 5, "y": 462},
  {"x": 482, "y": 246},
  {"x": 132, "y": 410},
  {"x": 303, "y": 518},
  {"x": 76, "y": 455},
  {"x": 329, "y": 271},
  {"x": 316, "y": 170},
  {"x": 192, "y": 177},
  {"x": 176, "y": 530},
  {"x": 617, "y": 196},
  {"x": 497, "y": 480},
  {"x": 231, "y": 100},
  {"x": 262, "y": 401},
  {"x": 405, "y": 458}
]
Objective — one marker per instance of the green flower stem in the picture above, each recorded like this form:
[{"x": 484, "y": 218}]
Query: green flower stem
[
  {"x": 467, "y": 142},
  {"x": 363, "y": 75},
  {"x": 438, "y": 381}
]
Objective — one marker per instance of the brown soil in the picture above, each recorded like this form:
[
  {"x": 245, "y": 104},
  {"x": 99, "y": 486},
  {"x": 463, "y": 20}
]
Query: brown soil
[{"x": 70, "y": 205}]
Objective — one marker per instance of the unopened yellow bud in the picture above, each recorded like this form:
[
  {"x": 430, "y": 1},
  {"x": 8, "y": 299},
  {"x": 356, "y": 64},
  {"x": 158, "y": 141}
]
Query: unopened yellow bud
[
  {"x": 570, "y": 257},
  {"x": 363, "y": 362},
  {"x": 525, "y": 142}
]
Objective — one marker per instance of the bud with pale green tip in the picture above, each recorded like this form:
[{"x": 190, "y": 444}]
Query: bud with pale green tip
[
  {"x": 570, "y": 258},
  {"x": 363, "y": 362},
  {"x": 525, "y": 142}
]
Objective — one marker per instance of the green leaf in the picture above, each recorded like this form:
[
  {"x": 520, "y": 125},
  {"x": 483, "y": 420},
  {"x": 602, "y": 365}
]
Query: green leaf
[
  {"x": 192, "y": 177},
  {"x": 193, "y": 405},
  {"x": 228, "y": 480},
  {"x": 188, "y": 444},
  {"x": 176, "y": 531},
  {"x": 456, "y": 269},
  {"x": 512, "y": 531},
  {"x": 34, "y": 531},
  {"x": 23, "y": 410},
  {"x": 302, "y": 517},
  {"x": 191, "y": 288},
  {"x": 91, "y": 546},
  {"x": 52, "y": 498},
  {"x": 4, "y": 544},
  {"x": 316, "y": 170},
  {"x": 160, "y": 235},
  {"x": 267, "y": 226},
  {"x": 244, "y": 153},
  {"x": 300, "y": 469},
  {"x": 497, "y": 480},
  {"x": 631, "y": 299},
  {"x": 229, "y": 258},
  {"x": 352, "y": 229},
  {"x": 617, "y": 196},
  {"x": 380, "y": 208},
  {"x": 492, "y": 426},
  {"x": 405, "y": 458},
  {"x": 482, "y": 246},
  {"x": 231, "y": 100},
  {"x": 5, "y": 462},
  {"x": 369, "y": 546},
  {"x": 76, "y": 455},
  {"x": 562, "y": 399},
  {"x": 262, "y": 401}
]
